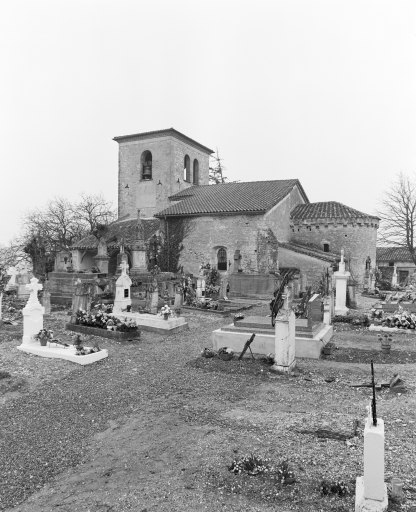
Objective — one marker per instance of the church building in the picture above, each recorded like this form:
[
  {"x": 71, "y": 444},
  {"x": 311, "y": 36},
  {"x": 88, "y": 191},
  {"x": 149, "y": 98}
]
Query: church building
[{"x": 243, "y": 228}]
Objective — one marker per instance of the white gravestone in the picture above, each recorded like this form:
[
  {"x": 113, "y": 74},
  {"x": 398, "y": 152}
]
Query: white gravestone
[
  {"x": 123, "y": 284},
  {"x": 394, "y": 279},
  {"x": 284, "y": 342},
  {"x": 371, "y": 491},
  {"x": 341, "y": 279},
  {"x": 33, "y": 312},
  {"x": 200, "y": 287},
  {"x": 12, "y": 272}
]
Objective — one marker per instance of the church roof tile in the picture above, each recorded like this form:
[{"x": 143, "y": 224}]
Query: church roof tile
[
  {"x": 393, "y": 254},
  {"x": 253, "y": 197},
  {"x": 326, "y": 211}
]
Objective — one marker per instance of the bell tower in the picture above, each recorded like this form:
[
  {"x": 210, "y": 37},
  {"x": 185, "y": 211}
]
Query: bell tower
[{"x": 152, "y": 166}]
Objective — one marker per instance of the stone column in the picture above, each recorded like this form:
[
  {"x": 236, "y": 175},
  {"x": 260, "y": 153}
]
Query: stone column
[
  {"x": 284, "y": 359},
  {"x": 46, "y": 298},
  {"x": 154, "y": 300},
  {"x": 32, "y": 313},
  {"x": 371, "y": 491},
  {"x": 341, "y": 279}
]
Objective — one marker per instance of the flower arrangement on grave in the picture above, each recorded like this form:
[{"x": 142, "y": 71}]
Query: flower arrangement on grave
[
  {"x": 44, "y": 335},
  {"x": 238, "y": 316},
  {"x": 225, "y": 353},
  {"x": 208, "y": 353},
  {"x": 103, "y": 320},
  {"x": 165, "y": 311},
  {"x": 338, "y": 487},
  {"x": 400, "y": 319},
  {"x": 80, "y": 350},
  {"x": 155, "y": 270}
]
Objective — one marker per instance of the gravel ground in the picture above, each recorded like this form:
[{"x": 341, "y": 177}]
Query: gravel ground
[{"x": 154, "y": 427}]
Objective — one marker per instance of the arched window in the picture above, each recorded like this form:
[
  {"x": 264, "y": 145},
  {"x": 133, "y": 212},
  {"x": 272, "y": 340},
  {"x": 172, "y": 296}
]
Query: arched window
[
  {"x": 187, "y": 168},
  {"x": 222, "y": 259},
  {"x": 146, "y": 161},
  {"x": 196, "y": 172}
]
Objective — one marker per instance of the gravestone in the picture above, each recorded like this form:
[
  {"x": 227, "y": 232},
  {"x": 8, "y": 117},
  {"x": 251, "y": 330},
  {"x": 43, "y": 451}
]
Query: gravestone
[
  {"x": 154, "y": 297},
  {"x": 33, "y": 312},
  {"x": 394, "y": 278},
  {"x": 123, "y": 285},
  {"x": 102, "y": 258},
  {"x": 200, "y": 287},
  {"x": 11, "y": 285},
  {"x": 1, "y": 304},
  {"x": 178, "y": 297},
  {"x": 81, "y": 298},
  {"x": 285, "y": 322},
  {"x": 46, "y": 298},
  {"x": 341, "y": 279},
  {"x": 22, "y": 280}
]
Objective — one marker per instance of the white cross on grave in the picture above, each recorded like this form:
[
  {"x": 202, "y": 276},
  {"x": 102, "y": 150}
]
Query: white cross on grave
[
  {"x": 124, "y": 267},
  {"x": 34, "y": 287}
]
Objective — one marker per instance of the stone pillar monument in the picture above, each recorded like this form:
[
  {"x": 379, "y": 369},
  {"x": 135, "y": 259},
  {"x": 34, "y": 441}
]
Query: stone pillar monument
[
  {"x": 394, "y": 278},
  {"x": 123, "y": 284},
  {"x": 284, "y": 341},
  {"x": 371, "y": 491},
  {"x": 46, "y": 298},
  {"x": 200, "y": 287},
  {"x": 341, "y": 279},
  {"x": 102, "y": 258},
  {"x": 33, "y": 312},
  {"x": 139, "y": 260}
]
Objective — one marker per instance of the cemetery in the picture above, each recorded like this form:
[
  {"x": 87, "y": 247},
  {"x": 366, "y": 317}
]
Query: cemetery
[{"x": 188, "y": 406}]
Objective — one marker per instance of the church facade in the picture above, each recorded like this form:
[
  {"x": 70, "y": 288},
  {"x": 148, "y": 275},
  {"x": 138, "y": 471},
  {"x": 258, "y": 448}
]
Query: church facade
[{"x": 243, "y": 228}]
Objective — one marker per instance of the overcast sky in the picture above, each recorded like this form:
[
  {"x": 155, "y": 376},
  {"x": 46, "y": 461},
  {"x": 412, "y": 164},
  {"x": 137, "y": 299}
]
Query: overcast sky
[{"x": 319, "y": 90}]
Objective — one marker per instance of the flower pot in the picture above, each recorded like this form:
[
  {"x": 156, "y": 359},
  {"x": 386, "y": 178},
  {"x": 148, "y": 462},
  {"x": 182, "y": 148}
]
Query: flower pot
[
  {"x": 43, "y": 342},
  {"x": 385, "y": 347},
  {"x": 166, "y": 316},
  {"x": 326, "y": 351}
]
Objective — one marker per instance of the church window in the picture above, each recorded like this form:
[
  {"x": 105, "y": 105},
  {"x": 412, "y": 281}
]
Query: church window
[
  {"x": 222, "y": 259},
  {"x": 196, "y": 172},
  {"x": 146, "y": 161},
  {"x": 326, "y": 247},
  {"x": 187, "y": 168}
]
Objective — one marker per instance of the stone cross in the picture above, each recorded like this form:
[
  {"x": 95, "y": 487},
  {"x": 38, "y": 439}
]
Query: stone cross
[{"x": 34, "y": 287}]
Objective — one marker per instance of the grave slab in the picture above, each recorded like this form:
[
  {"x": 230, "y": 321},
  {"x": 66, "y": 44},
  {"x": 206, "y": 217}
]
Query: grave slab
[
  {"x": 236, "y": 336},
  {"x": 155, "y": 323},
  {"x": 58, "y": 352}
]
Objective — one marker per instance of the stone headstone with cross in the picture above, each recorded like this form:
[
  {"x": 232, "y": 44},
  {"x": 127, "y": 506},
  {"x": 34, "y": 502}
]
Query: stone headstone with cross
[
  {"x": 284, "y": 360},
  {"x": 33, "y": 312}
]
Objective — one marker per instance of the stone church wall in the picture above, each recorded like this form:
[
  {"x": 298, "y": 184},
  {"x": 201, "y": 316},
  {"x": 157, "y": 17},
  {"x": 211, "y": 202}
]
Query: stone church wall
[
  {"x": 358, "y": 241},
  {"x": 278, "y": 218},
  {"x": 245, "y": 233}
]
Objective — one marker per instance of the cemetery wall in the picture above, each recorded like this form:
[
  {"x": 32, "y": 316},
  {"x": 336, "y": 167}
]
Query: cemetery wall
[
  {"x": 311, "y": 268},
  {"x": 168, "y": 155},
  {"x": 240, "y": 232},
  {"x": 358, "y": 241}
]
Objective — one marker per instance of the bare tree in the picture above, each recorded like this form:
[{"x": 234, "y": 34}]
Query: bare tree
[
  {"x": 398, "y": 215},
  {"x": 94, "y": 212},
  {"x": 59, "y": 225}
]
